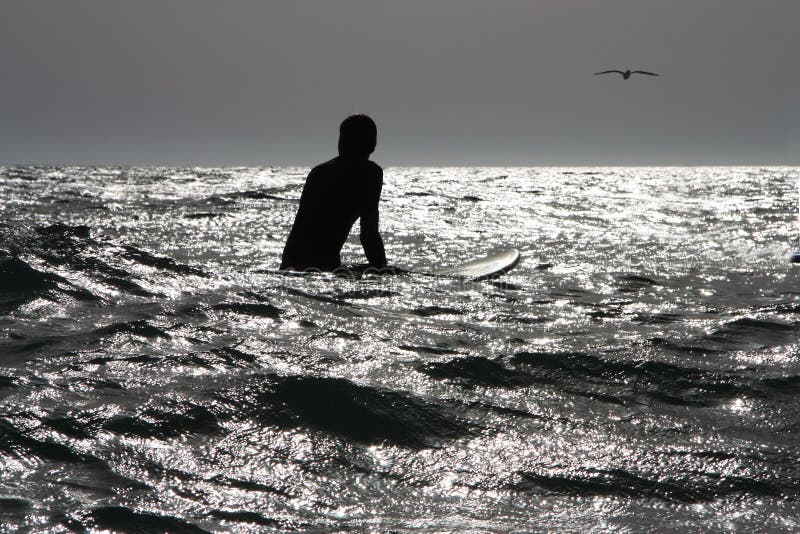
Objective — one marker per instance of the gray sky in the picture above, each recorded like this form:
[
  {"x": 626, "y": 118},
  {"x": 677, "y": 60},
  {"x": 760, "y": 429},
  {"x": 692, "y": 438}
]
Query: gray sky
[{"x": 448, "y": 81}]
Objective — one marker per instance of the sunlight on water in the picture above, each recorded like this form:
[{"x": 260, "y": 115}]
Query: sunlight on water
[{"x": 638, "y": 368}]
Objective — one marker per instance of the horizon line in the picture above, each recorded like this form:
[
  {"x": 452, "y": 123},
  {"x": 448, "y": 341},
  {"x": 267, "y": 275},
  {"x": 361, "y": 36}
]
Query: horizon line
[{"x": 406, "y": 166}]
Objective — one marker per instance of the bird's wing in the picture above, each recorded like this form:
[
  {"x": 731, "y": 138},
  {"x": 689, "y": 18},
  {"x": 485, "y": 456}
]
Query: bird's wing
[
  {"x": 645, "y": 72},
  {"x": 607, "y": 71}
]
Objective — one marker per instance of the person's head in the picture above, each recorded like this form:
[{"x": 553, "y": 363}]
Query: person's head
[{"x": 357, "y": 136}]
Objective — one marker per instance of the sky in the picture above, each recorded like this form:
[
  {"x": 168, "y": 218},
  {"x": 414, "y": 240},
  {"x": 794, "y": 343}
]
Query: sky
[{"x": 449, "y": 82}]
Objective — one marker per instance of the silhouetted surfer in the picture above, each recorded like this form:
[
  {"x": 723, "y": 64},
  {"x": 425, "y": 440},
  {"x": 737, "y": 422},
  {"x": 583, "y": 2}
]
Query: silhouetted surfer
[
  {"x": 627, "y": 73},
  {"x": 337, "y": 193}
]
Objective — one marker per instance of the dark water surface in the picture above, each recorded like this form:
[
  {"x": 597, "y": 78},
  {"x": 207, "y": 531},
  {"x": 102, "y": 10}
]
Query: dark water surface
[{"x": 638, "y": 371}]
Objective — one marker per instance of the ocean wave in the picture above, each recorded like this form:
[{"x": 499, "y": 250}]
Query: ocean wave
[
  {"x": 753, "y": 331},
  {"x": 339, "y": 407},
  {"x": 19, "y": 444},
  {"x": 21, "y": 283},
  {"x": 123, "y": 519},
  {"x": 139, "y": 328},
  {"x": 628, "y": 381},
  {"x": 694, "y": 488},
  {"x": 249, "y": 308},
  {"x": 474, "y": 371},
  {"x": 159, "y": 262},
  {"x": 165, "y": 422}
]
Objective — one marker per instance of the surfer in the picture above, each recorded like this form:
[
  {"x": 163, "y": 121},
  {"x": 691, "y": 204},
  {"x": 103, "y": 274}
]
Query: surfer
[{"x": 335, "y": 195}]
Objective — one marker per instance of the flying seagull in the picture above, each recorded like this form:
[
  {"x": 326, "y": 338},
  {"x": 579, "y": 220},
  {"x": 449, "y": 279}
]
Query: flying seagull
[{"x": 627, "y": 74}]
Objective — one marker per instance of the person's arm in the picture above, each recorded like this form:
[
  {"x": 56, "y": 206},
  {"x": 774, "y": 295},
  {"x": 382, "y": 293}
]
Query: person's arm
[{"x": 370, "y": 235}]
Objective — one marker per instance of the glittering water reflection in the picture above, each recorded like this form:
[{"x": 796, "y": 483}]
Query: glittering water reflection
[{"x": 639, "y": 367}]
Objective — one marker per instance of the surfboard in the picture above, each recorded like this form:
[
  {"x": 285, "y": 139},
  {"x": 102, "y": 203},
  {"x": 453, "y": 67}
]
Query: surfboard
[{"x": 491, "y": 266}]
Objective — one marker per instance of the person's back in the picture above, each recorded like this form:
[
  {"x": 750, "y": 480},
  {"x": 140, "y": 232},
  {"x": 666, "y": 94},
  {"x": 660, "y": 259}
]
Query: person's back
[{"x": 336, "y": 194}]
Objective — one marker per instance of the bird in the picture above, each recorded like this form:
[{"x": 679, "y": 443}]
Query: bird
[{"x": 627, "y": 74}]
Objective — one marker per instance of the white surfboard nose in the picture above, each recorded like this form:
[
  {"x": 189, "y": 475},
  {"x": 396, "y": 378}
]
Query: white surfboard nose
[{"x": 494, "y": 264}]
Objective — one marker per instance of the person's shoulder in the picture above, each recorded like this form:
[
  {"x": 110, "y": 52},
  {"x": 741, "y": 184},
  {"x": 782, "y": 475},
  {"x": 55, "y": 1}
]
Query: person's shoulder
[
  {"x": 326, "y": 166},
  {"x": 373, "y": 169},
  {"x": 362, "y": 167}
]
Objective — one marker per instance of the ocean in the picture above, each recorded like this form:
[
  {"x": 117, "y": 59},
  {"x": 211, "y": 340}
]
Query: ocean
[{"x": 638, "y": 371}]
